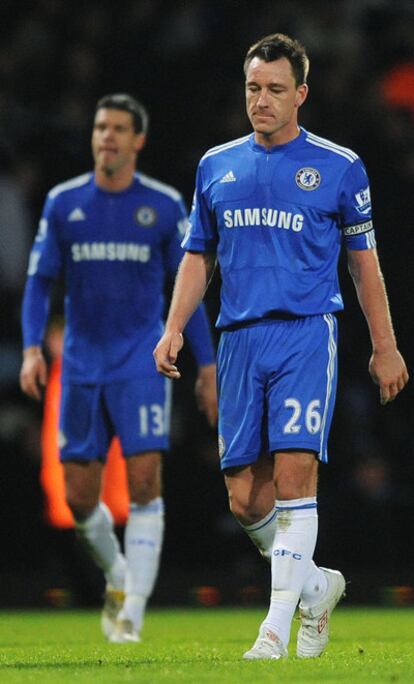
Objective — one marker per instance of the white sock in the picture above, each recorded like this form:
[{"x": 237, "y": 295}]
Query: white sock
[
  {"x": 143, "y": 542},
  {"x": 262, "y": 534},
  {"x": 293, "y": 547},
  {"x": 97, "y": 533},
  {"x": 314, "y": 588}
]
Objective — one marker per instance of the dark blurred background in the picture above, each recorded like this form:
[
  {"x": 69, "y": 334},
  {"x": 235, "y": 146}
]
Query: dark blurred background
[{"x": 184, "y": 61}]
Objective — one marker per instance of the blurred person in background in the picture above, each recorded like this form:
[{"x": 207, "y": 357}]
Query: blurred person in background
[
  {"x": 15, "y": 230},
  {"x": 114, "y": 490},
  {"x": 15, "y": 238},
  {"x": 115, "y": 236},
  {"x": 274, "y": 207}
]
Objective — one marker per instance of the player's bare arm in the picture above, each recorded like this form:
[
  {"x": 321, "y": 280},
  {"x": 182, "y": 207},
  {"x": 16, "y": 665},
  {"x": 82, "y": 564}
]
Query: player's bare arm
[
  {"x": 387, "y": 367},
  {"x": 191, "y": 283},
  {"x": 33, "y": 374}
]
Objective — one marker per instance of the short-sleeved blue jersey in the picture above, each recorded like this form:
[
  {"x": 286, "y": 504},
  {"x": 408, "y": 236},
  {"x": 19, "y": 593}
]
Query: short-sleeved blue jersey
[
  {"x": 276, "y": 218},
  {"x": 114, "y": 249}
]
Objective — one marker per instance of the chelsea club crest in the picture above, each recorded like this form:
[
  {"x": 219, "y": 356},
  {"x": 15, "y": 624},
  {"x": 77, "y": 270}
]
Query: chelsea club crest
[
  {"x": 308, "y": 178},
  {"x": 145, "y": 216}
]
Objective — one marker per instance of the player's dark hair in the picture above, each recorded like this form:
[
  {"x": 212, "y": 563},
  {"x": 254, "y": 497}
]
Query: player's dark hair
[
  {"x": 273, "y": 47},
  {"x": 126, "y": 103}
]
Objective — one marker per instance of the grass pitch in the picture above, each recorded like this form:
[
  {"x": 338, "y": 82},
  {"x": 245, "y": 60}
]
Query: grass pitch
[{"x": 201, "y": 645}]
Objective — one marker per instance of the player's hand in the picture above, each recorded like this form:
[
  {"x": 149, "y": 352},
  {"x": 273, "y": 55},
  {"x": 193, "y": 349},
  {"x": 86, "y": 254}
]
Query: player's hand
[
  {"x": 166, "y": 353},
  {"x": 206, "y": 392},
  {"x": 33, "y": 374},
  {"x": 388, "y": 370}
]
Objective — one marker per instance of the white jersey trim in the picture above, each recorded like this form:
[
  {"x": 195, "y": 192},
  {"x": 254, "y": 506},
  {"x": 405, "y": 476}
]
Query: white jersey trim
[
  {"x": 70, "y": 185},
  {"x": 226, "y": 146},
  {"x": 330, "y": 374},
  {"x": 333, "y": 147},
  {"x": 159, "y": 186}
]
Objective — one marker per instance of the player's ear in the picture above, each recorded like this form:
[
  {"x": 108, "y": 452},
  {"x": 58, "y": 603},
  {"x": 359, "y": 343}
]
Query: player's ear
[
  {"x": 140, "y": 140},
  {"x": 301, "y": 94}
]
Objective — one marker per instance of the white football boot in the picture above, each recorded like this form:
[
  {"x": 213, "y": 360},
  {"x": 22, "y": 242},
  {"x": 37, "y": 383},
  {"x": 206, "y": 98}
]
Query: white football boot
[
  {"x": 114, "y": 600},
  {"x": 267, "y": 646},
  {"x": 124, "y": 633},
  {"x": 313, "y": 635}
]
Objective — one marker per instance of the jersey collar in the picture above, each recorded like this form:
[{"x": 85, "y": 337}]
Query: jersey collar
[
  {"x": 116, "y": 193},
  {"x": 292, "y": 144}
]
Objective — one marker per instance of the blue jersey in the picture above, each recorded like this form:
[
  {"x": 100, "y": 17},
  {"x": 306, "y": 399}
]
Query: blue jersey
[
  {"x": 114, "y": 250},
  {"x": 277, "y": 218}
]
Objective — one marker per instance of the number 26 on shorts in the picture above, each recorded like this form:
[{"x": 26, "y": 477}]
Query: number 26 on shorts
[{"x": 313, "y": 417}]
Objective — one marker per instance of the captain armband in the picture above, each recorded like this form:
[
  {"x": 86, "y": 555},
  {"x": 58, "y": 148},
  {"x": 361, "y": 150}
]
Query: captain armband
[{"x": 358, "y": 228}]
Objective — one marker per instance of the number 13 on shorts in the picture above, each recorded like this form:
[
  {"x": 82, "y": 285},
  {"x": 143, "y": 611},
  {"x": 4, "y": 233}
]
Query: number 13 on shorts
[{"x": 152, "y": 420}]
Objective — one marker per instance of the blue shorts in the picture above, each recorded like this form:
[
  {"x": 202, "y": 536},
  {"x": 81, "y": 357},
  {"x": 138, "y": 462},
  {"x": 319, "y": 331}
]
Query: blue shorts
[
  {"x": 137, "y": 411},
  {"x": 277, "y": 386}
]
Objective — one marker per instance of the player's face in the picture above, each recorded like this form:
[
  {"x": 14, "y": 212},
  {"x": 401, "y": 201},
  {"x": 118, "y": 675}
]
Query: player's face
[
  {"x": 273, "y": 100},
  {"x": 115, "y": 143}
]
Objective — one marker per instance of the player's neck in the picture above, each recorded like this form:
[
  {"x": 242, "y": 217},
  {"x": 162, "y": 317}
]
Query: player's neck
[
  {"x": 114, "y": 182},
  {"x": 281, "y": 137}
]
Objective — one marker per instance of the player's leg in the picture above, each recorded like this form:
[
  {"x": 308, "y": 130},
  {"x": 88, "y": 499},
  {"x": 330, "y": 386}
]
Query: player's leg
[
  {"x": 251, "y": 493},
  {"x": 140, "y": 411},
  {"x": 93, "y": 519},
  {"x": 143, "y": 541},
  {"x": 300, "y": 408},
  {"x": 294, "y": 542},
  {"x": 294, "y": 574},
  {"x": 84, "y": 437},
  {"x": 248, "y": 470}
]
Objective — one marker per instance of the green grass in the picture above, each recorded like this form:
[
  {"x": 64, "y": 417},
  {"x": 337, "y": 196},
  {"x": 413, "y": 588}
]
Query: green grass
[{"x": 200, "y": 645}]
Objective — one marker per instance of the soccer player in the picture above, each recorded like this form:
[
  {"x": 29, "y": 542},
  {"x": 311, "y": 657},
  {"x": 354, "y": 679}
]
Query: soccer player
[
  {"x": 115, "y": 234},
  {"x": 274, "y": 207}
]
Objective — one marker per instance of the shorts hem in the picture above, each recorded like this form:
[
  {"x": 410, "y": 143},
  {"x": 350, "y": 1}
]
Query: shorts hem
[
  {"x": 281, "y": 446},
  {"x": 144, "y": 450},
  {"x": 76, "y": 458},
  {"x": 242, "y": 461}
]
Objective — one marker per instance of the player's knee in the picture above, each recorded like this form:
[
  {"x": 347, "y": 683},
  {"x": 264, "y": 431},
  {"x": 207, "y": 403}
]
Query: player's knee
[
  {"x": 291, "y": 488},
  {"x": 81, "y": 504},
  {"x": 144, "y": 491},
  {"x": 296, "y": 479}
]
